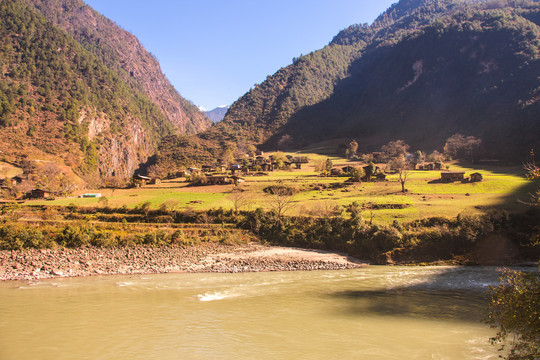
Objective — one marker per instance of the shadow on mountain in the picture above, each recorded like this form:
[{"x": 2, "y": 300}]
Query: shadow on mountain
[
  {"x": 454, "y": 294},
  {"x": 427, "y": 87}
]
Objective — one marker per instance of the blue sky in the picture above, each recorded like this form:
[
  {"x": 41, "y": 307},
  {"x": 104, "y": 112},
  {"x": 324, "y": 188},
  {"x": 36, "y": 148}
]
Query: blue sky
[{"x": 213, "y": 51}]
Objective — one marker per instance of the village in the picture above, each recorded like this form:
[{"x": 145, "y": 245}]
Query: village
[{"x": 258, "y": 166}]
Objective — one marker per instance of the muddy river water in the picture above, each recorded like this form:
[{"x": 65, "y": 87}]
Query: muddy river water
[{"x": 376, "y": 312}]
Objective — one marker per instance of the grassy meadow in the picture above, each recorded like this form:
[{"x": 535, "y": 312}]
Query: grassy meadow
[{"x": 501, "y": 188}]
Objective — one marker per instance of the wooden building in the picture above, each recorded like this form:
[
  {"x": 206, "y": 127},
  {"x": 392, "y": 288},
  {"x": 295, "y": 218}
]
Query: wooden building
[
  {"x": 451, "y": 176},
  {"x": 39, "y": 194},
  {"x": 218, "y": 180},
  {"x": 476, "y": 177},
  {"x": 347, "y": 169},
  {"x": 208, "y": 168}
]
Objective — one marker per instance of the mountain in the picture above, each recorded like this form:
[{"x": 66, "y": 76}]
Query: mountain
[
  {"x": 217, "y": 114},
  {"x": 78, "y": 91},
  {"x": 424, "y": 70},
  {"x": 122, "y": 52}
]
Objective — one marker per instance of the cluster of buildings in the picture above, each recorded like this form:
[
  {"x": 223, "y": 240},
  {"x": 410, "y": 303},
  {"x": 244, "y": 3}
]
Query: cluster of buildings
[
  {"x": 219, "y": 174},
  {"x": 452, "y": 176},
  {"x": 372, "y": 173}
]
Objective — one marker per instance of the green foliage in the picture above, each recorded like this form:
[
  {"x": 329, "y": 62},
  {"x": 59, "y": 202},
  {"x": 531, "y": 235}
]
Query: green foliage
[
  {"x": 178, "y": 152},
  {"x": 515, "y": 312},
  {"x": 424, "y": 240},
  {"x": 50, "y": 76},
  {"x": 357, "y": 174}
]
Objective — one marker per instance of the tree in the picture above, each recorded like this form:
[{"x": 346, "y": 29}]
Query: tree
[
  {"x": 399, "y": 165},
  {"x": 419, "y": 157},
  {"x": 515, "y": 310},
  {"x": 285, "y": 141},
  {"x": 459, "y": 145},
  {"x": 158, "y": 171},
  {"x": 435, "y": 156},
  {"x": 370, "y": 170},
  {"x": 251, "y": 150},
  {"x": 48, "y": 176},
  {"x": 328, "y": 165},
  {"x": 227, "y": 156},
  {"x": 357, "y": 174},
  {"x": 169, "y": 205},
  {"x": 395, "y": 149},
  {"x": 280, "y": 158},
  {"x": 239, "y": 198},
  {"x": 533, "y": 172},
  {"x": 320, "y": 165},
  {"x": 352, "y": 148},
  {"x": 280, "y": 198}
]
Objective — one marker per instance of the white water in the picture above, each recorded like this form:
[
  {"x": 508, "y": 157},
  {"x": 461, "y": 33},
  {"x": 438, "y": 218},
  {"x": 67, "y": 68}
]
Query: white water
[{"x": 371, "y": 313}]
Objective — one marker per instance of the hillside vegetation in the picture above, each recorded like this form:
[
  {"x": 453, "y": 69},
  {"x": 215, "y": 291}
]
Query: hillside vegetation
[
  {"x": 58, "y": 101},
  {"x": 424, "y": 70},
  {"x": 123, "y": 53},
  {"x": 77, "y": 90}
]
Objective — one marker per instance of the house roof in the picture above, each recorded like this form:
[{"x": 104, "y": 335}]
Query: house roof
[{"x": 142, "y": 177}]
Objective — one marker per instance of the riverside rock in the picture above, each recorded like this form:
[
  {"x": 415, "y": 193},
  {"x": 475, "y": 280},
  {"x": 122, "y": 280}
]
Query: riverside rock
[{"x": 207, "y": 257}]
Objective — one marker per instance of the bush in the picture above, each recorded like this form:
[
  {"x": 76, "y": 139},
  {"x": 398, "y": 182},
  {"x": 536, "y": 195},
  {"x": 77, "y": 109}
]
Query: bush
[{"x": 515, "y": 311}]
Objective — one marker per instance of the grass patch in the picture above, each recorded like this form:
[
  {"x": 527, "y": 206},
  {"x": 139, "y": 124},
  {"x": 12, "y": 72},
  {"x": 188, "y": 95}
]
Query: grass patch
[{"x": 502, "y": 188}]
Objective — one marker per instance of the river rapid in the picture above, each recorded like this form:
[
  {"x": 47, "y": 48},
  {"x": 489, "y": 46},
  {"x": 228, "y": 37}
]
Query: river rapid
[{"x": 376, "y": 312}]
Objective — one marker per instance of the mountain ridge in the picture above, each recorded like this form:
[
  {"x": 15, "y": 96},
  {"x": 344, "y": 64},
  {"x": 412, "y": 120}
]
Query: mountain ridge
[
  {"x": 217, "y": 114},
  {"x": 269, "y": 111},
  {"x": 60, "y": 102},
  {"x": 123, "y": 52}
]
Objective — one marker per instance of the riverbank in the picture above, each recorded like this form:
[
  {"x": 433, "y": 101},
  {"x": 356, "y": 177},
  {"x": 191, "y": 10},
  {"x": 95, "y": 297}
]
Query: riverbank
[{"x": 35, "y": 264}]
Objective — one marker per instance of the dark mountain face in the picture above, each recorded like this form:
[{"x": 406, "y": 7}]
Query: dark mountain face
[
  {"x": 477, "y": 74},
  {"x": 424, "y": 70}
]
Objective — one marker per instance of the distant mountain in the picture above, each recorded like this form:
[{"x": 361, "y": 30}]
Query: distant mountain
[
  {"x": 217, "y": 114},
  {"x": 77, "y": 90},
  {"x": 424, "y": 70}
]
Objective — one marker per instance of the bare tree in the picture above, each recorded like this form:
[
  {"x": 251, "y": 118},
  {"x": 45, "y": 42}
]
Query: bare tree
[
  {"x": 169, "y": 205},
  {"x": 395, "y": 148},
  {"x": 285, "y": 142},
  {"x": 352, "y": 148},
  {"x": 240, "y": 199},
  {"x": 459, "y": 145},
  {"x": 49, "y": 175},
  {"x": 399, "y": 165},
  {"x": 280, "y": 198},
  {"x": 325, "y": 209}
]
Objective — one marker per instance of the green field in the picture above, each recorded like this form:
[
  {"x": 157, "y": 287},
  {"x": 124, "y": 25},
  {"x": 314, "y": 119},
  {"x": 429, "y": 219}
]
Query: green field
[
  {"x": 502, "y": 188},
  {"x": 8, "y": 171}
]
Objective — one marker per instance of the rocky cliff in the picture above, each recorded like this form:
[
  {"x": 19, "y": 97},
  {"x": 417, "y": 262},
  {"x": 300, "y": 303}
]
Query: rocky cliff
[{"x": 61, "y": 102}]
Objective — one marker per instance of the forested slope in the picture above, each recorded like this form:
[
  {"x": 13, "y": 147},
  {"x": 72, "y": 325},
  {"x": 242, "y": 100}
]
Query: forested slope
[
  {"x": 60, "y": 102},
  {"x": 123, "y": 53},
  {"x": 423, "y": 70}
]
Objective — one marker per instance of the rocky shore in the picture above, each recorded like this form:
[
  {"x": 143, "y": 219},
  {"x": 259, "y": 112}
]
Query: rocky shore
[{"x": 208, "y": 257}]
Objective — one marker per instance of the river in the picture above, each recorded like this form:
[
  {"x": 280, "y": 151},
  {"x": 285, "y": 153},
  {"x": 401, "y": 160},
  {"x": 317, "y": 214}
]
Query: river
[{"x": 376, "y": 312}]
